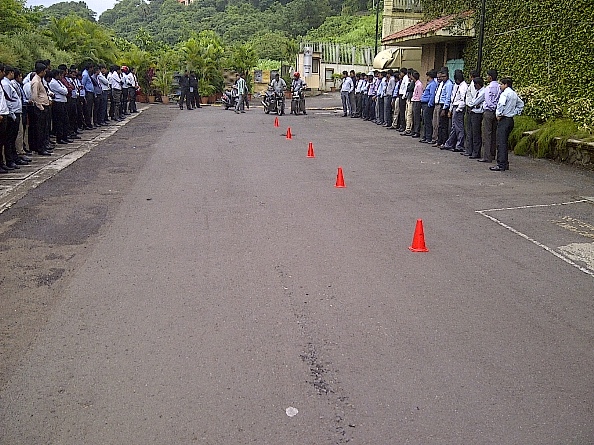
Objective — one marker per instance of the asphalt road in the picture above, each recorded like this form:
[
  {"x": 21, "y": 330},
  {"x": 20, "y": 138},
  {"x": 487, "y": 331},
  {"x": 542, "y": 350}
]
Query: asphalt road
[{"x": 196, "y": 279}]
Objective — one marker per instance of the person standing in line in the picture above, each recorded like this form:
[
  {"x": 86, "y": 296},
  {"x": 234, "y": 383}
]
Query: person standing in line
[
  {"x": 438, "y": 108},
  {"x": 12, "y": 121},
  {"x": 98, "y": 97},
  {"x": 102, "y": 79},
  {"x": 381, "y": 93},
  {"x": 395, "y": 102},
  {"x": 40, "y": 104},
  {"x": 390, "y": 85},
  {"x": 492, "y": 93},
  {"x": 445, "y": 99},
  {"x": 359, "y": 95},
  {"x": 353, "y": 77},
  {"x": 345, "y": 91},
  {"x": 125, "y": 88},
  {"x": 408, "y": 110},
  {"x": 89, "y": 93},
  {"x": 4, "y": 116},
  {"x": 242, "y": 92},
  {"x": 428, "y": 106},
  {"x": 133, "y": 87},
  {"x": 455, "y": 141},
  {"x": 116, "y": 92},
  {"x": 371, "y": 92},
  {"x": 508, "y": 106},
  {"x": 402, "y": 99},
  {"x": 60, "y": 108},
  {"x": 476, "y": 119},
  {"x": 470, "y": 96},
  {"x": 21, "y": 145},
  {"x": 416, "y": 105}
]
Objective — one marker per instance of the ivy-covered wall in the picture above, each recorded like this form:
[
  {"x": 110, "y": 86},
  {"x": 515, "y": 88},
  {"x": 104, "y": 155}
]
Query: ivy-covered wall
[{"x": 546, "y": 46}]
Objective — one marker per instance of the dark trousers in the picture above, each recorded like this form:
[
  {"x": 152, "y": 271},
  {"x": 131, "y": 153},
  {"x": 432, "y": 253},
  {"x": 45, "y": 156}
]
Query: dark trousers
[
  {"x": 72, "y": 115},
  {"x": 185, "y": 96},
  {"x": 444, "y": 127},
  {"x": 475, "y": 140},
  {"x": 124, "y": 102},
  {"x": 427, "y": 113},
  {"x": 364, "y": 106},
  {"x": 132, "y": 100},
  {"x": 402, "y": 113},
  {"x": 104, "y": 101},
  {"x": 12, "y": 131},
  {"x": 97, "y": 117},
  {"x": 80, "y": 112},
  {"x": 88, "y": 109},
  {"x": 358, "y": 104},
  {"x": 3, "y": 137},
  {"x": 371, "y": 108},
  {"x": 60, "y": 120},
  {"x": 352, "y": 102},
  {"x": 489, "y": 135},
  {"x": 111, "y": 104},
  {"x": 504, "y": 128},
  {"x": 116, "y": 99},
  {"x": 388, "y": 110},
  {"x": 416, "y": 128},
  {"x": 379, "y": 112},
  {"x": 37, "y": 127}
]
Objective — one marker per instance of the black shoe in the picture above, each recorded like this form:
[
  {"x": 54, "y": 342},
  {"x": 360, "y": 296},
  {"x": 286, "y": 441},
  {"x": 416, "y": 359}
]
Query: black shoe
[
  {"x": 62, "y": 142},
  {"x": 44, "y": 153},
  {"x": 498, "y": 168},
  {"x": 457, "y": 150},
  {"x": 473, "y": 157},
  {"x": 3, "y": 169},
  {"x": 484, "y": 160},
  {"x": 21, "y": 162},
  {"x": 415, "y": 135},
  {"x": 25, "y": 158},
  {"x": 12, "y": 166}
]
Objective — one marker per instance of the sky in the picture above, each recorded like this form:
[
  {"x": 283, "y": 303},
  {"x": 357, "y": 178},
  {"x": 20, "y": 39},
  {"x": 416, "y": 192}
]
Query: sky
[{"x": 98, "y": 6}]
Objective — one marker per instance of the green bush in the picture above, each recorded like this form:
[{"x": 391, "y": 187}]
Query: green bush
[{"x": 540, "y": 103}]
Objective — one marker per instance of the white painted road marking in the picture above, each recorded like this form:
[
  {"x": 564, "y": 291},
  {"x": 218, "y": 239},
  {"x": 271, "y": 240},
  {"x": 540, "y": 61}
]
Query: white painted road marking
[{"x": 583, "y": 252}]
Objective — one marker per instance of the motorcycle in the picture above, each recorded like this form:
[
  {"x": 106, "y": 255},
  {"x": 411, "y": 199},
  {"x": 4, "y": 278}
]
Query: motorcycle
[
  {"x": 298, "y": 102},
  {"x": 230, "y": 99},
  {"x": 273, "y": 102}
]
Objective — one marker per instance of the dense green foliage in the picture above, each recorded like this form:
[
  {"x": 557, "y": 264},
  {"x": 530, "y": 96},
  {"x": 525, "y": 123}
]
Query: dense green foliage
[
  {"x": 14, "y": 16},
  {"x": 63, "y": 9},
  {"x": 234, "y": 21},
  {"x": 544, "y": 45},
  {"x": 355, "y": 30}
]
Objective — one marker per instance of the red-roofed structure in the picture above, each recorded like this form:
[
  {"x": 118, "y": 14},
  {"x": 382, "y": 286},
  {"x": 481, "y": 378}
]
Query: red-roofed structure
[
  {"x": 447, "y": 28},
  {"x": 442, "y": 40}
]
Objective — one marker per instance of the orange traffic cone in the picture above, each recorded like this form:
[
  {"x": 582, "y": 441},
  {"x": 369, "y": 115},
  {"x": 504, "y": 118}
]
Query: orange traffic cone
[
  {"x": 418, "y": 243},
  {"x": 310, "y": 151},
  {"x": 276, "y": 122},
  {"x": 289, "y": 135},
  {"x": 339, "y": 179}
]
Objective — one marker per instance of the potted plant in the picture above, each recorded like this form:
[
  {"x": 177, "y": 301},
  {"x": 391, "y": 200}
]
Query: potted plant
[
  {"x": 335, "y": 78},
  {"x": 206, "y": 90},
  {"x": 162, "y": 82}
]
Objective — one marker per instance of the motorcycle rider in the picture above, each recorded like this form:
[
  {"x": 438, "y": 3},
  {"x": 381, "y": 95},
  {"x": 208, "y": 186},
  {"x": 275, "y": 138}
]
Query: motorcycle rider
[
  {"x": 298, "y": 86},
  {"x": 279, "y": 86}
]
